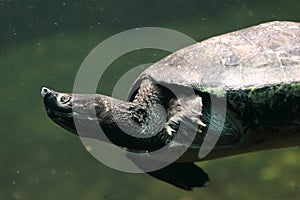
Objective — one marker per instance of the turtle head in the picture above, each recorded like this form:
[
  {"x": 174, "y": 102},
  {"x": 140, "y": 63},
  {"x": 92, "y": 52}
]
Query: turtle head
[
  {"x": 56, "y": 103},
  {"x": 81, "y": 114},
  {"x": 59, "y": 108}
]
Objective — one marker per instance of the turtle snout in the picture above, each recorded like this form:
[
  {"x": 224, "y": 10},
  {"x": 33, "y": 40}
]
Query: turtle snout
[{"x": 46, "y": 91}]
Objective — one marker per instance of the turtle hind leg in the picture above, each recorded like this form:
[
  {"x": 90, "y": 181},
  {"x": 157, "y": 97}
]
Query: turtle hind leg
[{"x": 183, "y": 175}]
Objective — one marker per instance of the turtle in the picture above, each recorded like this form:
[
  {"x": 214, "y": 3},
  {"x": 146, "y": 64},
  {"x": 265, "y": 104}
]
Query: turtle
[{"x": 254, "y": 72}]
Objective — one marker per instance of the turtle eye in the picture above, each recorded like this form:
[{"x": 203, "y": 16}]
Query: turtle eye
[{"x": 65, "y": 99}]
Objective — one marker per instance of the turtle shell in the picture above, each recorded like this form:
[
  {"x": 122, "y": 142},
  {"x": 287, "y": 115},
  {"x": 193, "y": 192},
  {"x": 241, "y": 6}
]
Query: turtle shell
[{"x": 258, "y": 56}]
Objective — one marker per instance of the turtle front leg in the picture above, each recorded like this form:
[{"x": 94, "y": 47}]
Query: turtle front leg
[
  {"x": 185, "y": 112},
  {"x": 182, "y": 111}
]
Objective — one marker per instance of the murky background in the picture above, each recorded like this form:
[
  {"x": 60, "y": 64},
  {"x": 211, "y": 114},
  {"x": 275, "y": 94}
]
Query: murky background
[{"x": 43, "y": 43}]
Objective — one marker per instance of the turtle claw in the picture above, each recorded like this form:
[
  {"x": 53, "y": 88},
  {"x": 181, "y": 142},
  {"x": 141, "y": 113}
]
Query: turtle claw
[
  {"x": 172, "y": 126},
  {"x": 201, "y": 124},
  {"x": 169, "y": 130}
]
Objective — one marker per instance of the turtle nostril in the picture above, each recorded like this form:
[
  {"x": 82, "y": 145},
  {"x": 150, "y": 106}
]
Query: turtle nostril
[{"x": 44, "y": 91}]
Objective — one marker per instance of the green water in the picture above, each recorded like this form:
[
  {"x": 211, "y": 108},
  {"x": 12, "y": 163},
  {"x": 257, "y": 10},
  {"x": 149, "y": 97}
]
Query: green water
[{"x": 43, "y": 43}]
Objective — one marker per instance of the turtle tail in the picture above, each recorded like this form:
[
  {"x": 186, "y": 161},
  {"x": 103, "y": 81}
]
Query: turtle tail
[{"x": 183, "y": 175}]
